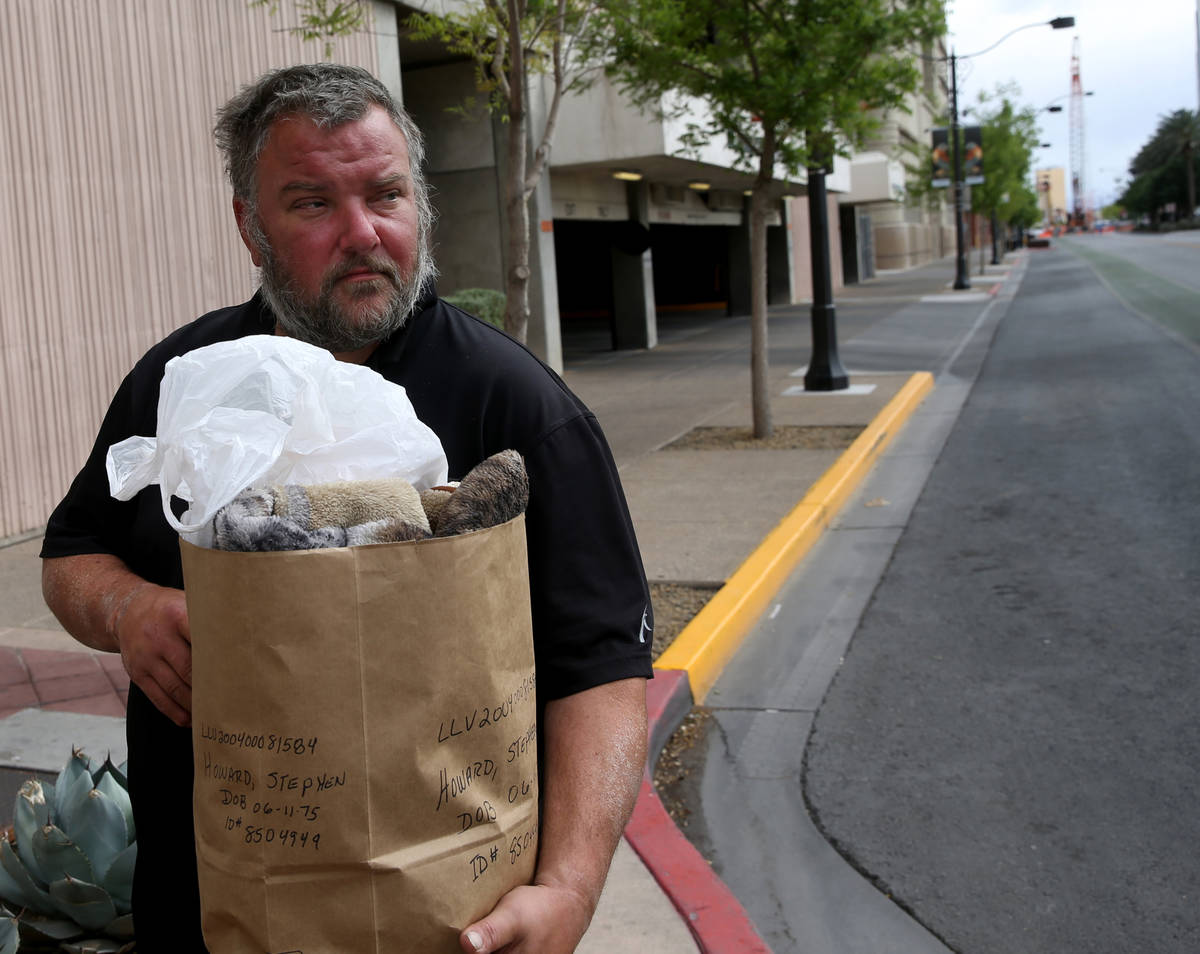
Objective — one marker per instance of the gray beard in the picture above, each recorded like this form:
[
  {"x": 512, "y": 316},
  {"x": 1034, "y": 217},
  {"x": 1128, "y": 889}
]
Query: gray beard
[{"x": 323, "y": 322}]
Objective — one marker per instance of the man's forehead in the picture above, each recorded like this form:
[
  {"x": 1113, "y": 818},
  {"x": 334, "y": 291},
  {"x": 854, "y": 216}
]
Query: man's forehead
[{"x": 374, "y": 136}]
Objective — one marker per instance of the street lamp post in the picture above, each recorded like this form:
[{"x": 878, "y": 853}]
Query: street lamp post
[
  {"x": 961, "y": 272},
  {"x": 825, "y": 371}
]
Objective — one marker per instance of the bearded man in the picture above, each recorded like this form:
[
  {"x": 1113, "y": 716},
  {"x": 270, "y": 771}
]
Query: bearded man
[{"x": 330, "y": 200}]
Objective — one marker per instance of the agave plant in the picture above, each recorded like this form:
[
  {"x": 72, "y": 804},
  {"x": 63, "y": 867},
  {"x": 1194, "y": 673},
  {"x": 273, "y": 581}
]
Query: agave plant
[{"x": 66, "y": 865}]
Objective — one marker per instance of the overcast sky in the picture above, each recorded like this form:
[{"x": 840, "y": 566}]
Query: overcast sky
[{"x": 1139, "y": 58}]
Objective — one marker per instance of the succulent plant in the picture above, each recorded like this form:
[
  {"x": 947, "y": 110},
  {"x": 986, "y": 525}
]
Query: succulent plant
[{"x": 66, "y": 865}]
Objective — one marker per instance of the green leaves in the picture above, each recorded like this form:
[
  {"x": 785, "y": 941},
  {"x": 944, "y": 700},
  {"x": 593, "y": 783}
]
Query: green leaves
[
  {"x": 552, "y": 35},
  {"x": 323, "y": 20},
  {"x": 9, "y": 938},
  {"x": 1164, "y": 170},
  {"x": 86, "y": 904},
  {"x": 71, "y": 871},
  {"x": 1009, "y": 138},
  {"x": 59, "y": 858},
  {"x": 785, "y": 73}
]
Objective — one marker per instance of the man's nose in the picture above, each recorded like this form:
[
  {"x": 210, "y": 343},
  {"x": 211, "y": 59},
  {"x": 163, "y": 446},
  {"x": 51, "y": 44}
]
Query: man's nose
[{"x": 358, "y": 228}]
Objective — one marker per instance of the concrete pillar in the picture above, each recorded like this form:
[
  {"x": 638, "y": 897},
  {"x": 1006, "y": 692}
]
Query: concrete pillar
[
  {"x": 739, "y": 264},
  {"x": 387, "y": 47},
  {"x": 545, "y": 332},
  {"x": 779, "y": 286},
  {"x": 635, "y": 322}
]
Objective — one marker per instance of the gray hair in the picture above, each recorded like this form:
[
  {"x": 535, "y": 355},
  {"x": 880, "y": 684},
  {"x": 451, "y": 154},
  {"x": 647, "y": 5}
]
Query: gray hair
[{"x": 330, "y": 95}]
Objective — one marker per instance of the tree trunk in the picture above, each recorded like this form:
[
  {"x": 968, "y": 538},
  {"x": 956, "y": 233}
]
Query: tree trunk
[
  {"x": 516, "y": 280},
  {"x": 760, "y": 396}
]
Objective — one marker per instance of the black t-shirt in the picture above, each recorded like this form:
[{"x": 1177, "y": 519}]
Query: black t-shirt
[{"x": 481, "y": 393}]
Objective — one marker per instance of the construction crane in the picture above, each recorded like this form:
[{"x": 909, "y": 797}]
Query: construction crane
[{"x": 1078, "y": 157}]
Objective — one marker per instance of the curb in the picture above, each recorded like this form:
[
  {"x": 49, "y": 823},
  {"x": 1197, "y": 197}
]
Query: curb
[
  {"x": 687, "y": 670},
  {"x": 709, "y": 641},
  {"x": 717, "y": 920}
]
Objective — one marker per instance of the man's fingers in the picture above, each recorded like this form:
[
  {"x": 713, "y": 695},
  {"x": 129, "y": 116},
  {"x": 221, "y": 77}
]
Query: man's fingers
[
  {"x": 177, "y": 655},
  {"x": 163, "y": 702},
  {"x": 154, "y": 639},
  {"x": 491, "y": 934}
]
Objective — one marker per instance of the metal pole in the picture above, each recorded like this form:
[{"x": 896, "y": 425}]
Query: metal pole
[
  {"x": 825, "y": 371},
  {"x": 961, "y": 272}
]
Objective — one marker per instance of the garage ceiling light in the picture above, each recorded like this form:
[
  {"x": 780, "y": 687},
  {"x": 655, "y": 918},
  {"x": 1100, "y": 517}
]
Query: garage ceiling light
[
  {"x": 700, "y": 185},
  {"x": 627, "y": 175}
]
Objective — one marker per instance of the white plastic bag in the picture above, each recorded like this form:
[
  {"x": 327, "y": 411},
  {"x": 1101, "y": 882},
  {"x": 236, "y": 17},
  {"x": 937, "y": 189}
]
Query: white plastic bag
[{"x": 270, "y": 410}]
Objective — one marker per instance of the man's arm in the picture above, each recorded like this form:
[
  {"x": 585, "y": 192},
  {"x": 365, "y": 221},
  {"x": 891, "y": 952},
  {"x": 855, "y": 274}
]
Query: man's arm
[
  {"x": 595, "y": 752},
  {"x": 105, "y": 605}
]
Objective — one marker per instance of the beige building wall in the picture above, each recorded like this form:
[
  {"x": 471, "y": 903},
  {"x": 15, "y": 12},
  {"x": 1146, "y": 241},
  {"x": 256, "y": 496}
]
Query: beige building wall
[
  {"x": 906, "y": 236},
  {"x": 1052, "y": 201},
  {"x": 114, "y": 214}
]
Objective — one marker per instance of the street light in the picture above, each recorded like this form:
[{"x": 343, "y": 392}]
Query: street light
[
  {"x": 961, "y": 272},
  {"x": 1051, "y": 108}
]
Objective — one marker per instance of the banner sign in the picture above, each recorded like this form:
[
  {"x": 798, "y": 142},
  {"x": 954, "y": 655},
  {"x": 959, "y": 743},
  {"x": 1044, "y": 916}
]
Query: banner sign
[
  {"x": 972, "y": 155},
  {"x": 941, "y": 157}
]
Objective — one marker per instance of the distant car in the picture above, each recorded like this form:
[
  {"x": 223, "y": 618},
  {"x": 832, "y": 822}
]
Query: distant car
[{"x": 1038, "y": 238}]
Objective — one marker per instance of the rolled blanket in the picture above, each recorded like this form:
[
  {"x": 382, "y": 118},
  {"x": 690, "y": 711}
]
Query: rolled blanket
[
  {"x": 338, "y": 514},
  {"x": 347, "y": 503},
  {"x": 353, "y": 513},
  {"x": 495, "y": 491}
]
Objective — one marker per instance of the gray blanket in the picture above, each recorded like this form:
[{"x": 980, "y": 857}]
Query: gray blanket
[{"x": 352, "y": 513}]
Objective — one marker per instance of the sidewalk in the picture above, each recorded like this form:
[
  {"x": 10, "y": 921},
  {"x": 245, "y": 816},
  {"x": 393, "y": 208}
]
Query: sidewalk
[{"x": 699, "y": 514}]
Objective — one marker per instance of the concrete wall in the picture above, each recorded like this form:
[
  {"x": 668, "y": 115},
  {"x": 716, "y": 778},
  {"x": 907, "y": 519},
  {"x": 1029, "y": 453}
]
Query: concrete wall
[
  {"x": 461, "y": 163},
  {"x": 599, "y": 125},
  {"x": 116, "y": 219},
  {"x": 904, "y": 236}
]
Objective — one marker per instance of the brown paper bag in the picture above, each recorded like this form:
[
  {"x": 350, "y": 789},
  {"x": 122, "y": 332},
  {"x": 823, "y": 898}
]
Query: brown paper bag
[{"x": 364, "y": 727}]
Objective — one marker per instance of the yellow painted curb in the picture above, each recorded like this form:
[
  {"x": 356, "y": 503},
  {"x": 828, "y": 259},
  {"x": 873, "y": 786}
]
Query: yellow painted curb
[{"x": 709, "y": 641}]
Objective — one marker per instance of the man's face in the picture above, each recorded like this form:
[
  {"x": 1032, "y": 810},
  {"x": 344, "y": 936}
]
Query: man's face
[{"x": 335, "y": 231}]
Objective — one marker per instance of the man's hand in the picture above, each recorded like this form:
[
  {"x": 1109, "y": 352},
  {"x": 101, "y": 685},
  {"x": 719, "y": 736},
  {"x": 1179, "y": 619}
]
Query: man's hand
[
  {"x": 595, "y": 753},
  {"x": 105, "y": 605},
  {"x": 535, "y": 919},
  {"x": 151, "y": 629}
]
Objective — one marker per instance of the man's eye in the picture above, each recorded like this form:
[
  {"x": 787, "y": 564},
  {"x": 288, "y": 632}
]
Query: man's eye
[
  {"x": 309, "y": 204},
  {"x": 392, "y": 195}
]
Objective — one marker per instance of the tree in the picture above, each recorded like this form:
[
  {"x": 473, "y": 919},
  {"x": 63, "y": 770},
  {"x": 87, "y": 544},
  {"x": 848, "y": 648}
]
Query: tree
[
  {"x": 323, "y": 19},
  {"x": 786, "y": 83},
  {"x": 509, "y": 42},
  {"x": 1164, "y": 170},
  {"x": 1009, "y": 138}
]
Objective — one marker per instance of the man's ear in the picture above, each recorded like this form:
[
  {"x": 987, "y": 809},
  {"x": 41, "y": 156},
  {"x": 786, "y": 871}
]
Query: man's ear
[{"x": 242, "y": 215}]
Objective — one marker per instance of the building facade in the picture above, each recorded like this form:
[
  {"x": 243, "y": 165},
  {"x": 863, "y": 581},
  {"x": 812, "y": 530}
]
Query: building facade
[
  {"x": 117, "y": 224},
  {"x": 1052, "y": 195},
  {"x": 884, "y": 228}
]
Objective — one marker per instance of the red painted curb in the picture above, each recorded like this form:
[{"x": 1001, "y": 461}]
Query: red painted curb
[{"x": 716, "y": 918}]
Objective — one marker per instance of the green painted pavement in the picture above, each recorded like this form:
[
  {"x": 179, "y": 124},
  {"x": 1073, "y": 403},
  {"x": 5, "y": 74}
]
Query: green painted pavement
[{"x": 1150, "y": 295}]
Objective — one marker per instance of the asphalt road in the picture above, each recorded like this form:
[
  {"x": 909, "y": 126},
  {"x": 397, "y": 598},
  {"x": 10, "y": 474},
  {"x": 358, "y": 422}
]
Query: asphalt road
[{"x": 1010, "y": 750}]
